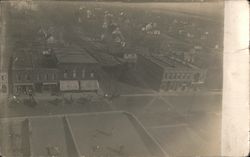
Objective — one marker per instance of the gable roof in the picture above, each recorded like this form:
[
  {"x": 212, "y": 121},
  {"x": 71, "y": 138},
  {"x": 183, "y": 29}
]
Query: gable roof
[{"x": 75, "y": 57}]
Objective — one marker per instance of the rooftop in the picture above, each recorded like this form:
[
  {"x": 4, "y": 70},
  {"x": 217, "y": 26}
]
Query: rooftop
[
  {"x": 170, "y": 62},
  {"x": 106, "y": 59},
  {"x": 4, "y": 62},
  {"x": 75, "y": 57},
  {"x": 44, "y": 61},
  {"x": 22, "y": 60}
]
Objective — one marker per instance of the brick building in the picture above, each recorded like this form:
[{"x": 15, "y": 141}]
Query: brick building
[
  {"x": 167, "y": 73},
  {"x": 45, "y": 72},
  {"x": 52, "y": 71},
  {"x": 77, "y": 71},
  {"x": 22, "y": 73}
]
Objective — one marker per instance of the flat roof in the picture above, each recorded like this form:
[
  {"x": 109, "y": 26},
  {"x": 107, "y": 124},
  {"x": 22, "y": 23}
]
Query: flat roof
[
  {"x": 179, "y": 140},
  {"x": 111, "y": 134},
  {"x": 47, "y": 133}
]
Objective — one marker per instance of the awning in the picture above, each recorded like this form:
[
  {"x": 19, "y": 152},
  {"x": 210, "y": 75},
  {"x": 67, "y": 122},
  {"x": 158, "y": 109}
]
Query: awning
[
  {"x": 89, "y": 85},
  {"x": 23, "y": 84},
  {"x": 69, "y": 85},
  {"x": 49, "y": 83}
]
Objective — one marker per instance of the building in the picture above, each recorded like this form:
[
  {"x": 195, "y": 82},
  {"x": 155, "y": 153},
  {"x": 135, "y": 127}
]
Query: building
[
  {"x": 4, "y": 55},
  {"x": 77, "y": 71},
  {"x": 4, "y": 74},
  {"x": 169, "y": 73},
  {"x": 45, "y": 72},
  {"x": 53, "y": 70},
  {"x": 108, "y": 134},
  {"x": 22, "y": 73}
]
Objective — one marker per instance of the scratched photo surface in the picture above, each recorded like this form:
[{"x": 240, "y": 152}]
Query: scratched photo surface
[{"x": 110, "y": 78}]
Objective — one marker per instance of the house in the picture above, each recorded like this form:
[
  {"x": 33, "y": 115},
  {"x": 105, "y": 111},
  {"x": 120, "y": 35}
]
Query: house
[
  {"x": 77, "y": 71},
  {"x": 169, "y": 73}
]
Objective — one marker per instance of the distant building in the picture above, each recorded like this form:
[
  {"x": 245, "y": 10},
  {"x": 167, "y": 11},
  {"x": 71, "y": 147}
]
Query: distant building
[
  {"x": 169, "y": 73},
  {"x": 77, "y": 71}
]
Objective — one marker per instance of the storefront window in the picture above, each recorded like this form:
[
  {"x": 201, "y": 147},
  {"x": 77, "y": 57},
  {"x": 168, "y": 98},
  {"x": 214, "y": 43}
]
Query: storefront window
[
  {"x": 18, "y": 77},
  {"x": 53, "y": 76},
  {"x": 83, "y": 73},
  {"x": 46, "y": 76},
  {"x": 4, "y": 88},
  {"x": 27, "y": 76},
  {"x": 74, "y": 73},
  {"x": 65, "y": 74},
  {"x": 92, "y": 75}
]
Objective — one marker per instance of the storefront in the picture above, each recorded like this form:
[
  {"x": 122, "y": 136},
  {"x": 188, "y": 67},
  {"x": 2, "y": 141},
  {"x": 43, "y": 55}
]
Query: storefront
[
  {"x": 89, "y": 85},
  {"x": 50, "y": 87},
  {"x": 69, "y": 85},
  {"x": 23, "y": 88}
]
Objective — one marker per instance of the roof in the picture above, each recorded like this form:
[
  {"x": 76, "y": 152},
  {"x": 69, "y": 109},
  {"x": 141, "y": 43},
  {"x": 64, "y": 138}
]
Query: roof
[
  {"x": 91, "y": 134},
  {"x": 168, "y": 62},
  {"x": 50, "y": 135},
  {"x": 5, "y": 61},
  {"x": 75, "y": 57},
  {"x": 106, "y": 59},
  {"x": 180, "y": 140},
  {"x": 41, "y": 61},
  {"x": 110, "y": 132},
  {"x": 22, "y": 60}
]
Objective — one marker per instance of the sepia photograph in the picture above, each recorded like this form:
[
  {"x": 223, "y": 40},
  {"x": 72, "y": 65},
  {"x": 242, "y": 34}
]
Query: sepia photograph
[{"x": 109, "y": 78}]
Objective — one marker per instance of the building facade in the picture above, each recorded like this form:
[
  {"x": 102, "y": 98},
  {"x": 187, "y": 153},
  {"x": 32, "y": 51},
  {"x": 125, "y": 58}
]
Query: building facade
[
  {"x": 169, "y": 73},
  {"x": 22, "y": 73},
  {"x": 51, "y": 72},
  {"x": 77, "y": 72},
  {"x": 45, "y": 72},
  {"x": 4, "y": 86}
]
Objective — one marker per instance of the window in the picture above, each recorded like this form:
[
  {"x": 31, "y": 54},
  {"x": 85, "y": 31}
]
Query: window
[
  {"x": 83, "y": 73},
  {"x": 92, "y": 75},
  {"x": 183, "y": 76},
  {"x": 65, "y": 74},
  {"x": 3, "y": 77},
  {"x": 174, "y": 76},
  {"x": 18, "y": 77},
  {"x": 4, "y": 88},
  {"x": 46, "y": 76},
  {"x": 38, "y": 77},
  {"x": 166, "y": 76},
  {"x": 27, "y": 76},
  {"x": 74, "y": 73},
  {"x": 170, "y": 76},
  {"x": 196, "y": 77},
  {"x": 178, "y": 76},
  {"x": 53, "y": 76}
]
